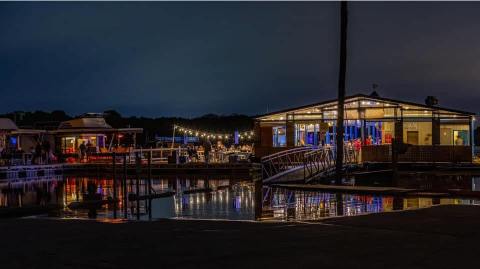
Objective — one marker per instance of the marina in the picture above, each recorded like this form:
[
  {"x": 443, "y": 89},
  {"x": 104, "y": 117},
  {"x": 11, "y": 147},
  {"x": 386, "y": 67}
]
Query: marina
[{"x": 239, "y": 135}]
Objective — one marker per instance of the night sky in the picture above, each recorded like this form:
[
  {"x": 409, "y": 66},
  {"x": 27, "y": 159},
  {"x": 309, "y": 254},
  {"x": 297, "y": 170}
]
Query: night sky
[{"x": 190, "y": 59}]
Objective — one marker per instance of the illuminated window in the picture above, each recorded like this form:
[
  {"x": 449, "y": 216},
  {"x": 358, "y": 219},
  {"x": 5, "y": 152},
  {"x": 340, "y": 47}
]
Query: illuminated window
[{"x": 279, "y": 136}]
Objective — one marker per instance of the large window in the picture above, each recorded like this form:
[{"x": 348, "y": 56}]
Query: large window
[
  {"x": 461, "y": 138},
  {"x": 68, "y": 144},
  {"x": 279, "y": 136},
  {"x": 306, "y": 134}
]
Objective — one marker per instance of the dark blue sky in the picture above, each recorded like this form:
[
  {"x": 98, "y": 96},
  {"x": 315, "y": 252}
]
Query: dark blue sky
[{"x": 189, "y": 59}]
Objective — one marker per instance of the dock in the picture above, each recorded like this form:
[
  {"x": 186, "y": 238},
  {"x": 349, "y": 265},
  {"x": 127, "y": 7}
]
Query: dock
[{"x": 236, "y": 170}]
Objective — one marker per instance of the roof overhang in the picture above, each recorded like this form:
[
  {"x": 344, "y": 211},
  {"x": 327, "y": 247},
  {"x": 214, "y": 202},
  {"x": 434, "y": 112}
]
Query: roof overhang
[
  {"x": 28, "y": 132},
  {"x": 97, "y": 131},
  {"x": 352, "y": 98}
]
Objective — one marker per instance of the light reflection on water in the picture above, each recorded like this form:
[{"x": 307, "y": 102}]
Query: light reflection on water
[
  {"x": 213, "y": 199},
  {"x": 311, "y": 205}
]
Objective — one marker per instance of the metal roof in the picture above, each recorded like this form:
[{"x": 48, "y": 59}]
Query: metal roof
[
  {"x": 7, "y": 124},
  {"x": 347, "y": 98}
]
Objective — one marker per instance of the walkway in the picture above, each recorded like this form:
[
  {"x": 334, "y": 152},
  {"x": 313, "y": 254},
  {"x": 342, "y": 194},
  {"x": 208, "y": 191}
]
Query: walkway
[{"x": 438, "y": 237}]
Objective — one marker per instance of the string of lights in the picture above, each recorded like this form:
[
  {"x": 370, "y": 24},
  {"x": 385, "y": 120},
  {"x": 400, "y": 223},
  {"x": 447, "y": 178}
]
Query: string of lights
[{"x": 244, "y": 135}]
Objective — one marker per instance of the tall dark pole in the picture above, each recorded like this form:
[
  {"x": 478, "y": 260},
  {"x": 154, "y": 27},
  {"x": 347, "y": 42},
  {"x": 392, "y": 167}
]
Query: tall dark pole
[
  {"x": 114, "y": 167},
  {"x": 341, "y": 89}
]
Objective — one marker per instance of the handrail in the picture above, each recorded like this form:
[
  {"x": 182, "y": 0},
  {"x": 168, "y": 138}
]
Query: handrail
[
  {"x": 281, "y": 162},
  {"x": 285, "y": 152},
  {"x": 314, "y": 160}
]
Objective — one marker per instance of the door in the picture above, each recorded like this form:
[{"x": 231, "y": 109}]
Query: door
[{"x": 412, "y": 137}]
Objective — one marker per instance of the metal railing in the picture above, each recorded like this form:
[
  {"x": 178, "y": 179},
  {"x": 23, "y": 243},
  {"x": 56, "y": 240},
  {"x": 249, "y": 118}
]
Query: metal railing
[
  {"x": 285, "y": 161},
  {"x": 323, "y": 161},
  {"x": 314, "y": 161}
]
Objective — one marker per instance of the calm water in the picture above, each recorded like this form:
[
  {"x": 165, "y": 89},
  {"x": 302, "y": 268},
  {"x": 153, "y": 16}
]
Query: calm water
[{"x": 197, "y": 197}]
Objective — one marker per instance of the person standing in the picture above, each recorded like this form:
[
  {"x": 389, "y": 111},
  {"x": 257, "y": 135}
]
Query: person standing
[{"x": 83, "y": 151}]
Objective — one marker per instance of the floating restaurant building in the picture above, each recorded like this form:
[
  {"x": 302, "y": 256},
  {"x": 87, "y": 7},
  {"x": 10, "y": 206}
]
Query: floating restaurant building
[
  {"x": 93, "y": 130},
  {"x": 431, "y": 133}
]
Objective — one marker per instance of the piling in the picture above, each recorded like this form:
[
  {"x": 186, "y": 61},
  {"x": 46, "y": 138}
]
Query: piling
[
  {"x": 149, "y": 185},
  {"x": 114, "y": 175},
  {"x": 138, "y": 161},
  {"x": 124, "y": 186},
  {"x": 258, "y": 198}
]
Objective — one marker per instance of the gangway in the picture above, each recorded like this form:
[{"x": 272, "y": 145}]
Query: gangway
[{"x": 304, "y": 163}]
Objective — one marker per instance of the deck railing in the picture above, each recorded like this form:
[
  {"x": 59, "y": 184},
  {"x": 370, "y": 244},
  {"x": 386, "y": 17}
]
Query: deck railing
[{"x": 419, "y": 153}]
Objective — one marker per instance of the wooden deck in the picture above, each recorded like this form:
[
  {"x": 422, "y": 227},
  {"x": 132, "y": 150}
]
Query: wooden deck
[{"x": 237, "y": 170}]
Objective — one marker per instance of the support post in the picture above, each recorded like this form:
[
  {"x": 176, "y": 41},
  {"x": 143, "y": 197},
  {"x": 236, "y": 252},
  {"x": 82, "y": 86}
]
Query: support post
[
  {"x": 124, "y": 185},
  {"x": 173, "y": 135},
  {"x": 290, "y": 131},
  {"x": 258, "y": 198},
  {"x": 114, "y": 172},
  {"x": 137, "y": 183},
  {"x": 341, "y": 91},
  {"x": 150, "y": 185},
  {"x": 471, "y": 131}
]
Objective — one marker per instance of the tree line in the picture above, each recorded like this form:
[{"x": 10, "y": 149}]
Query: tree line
[{"x": 161, "y": 126}]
